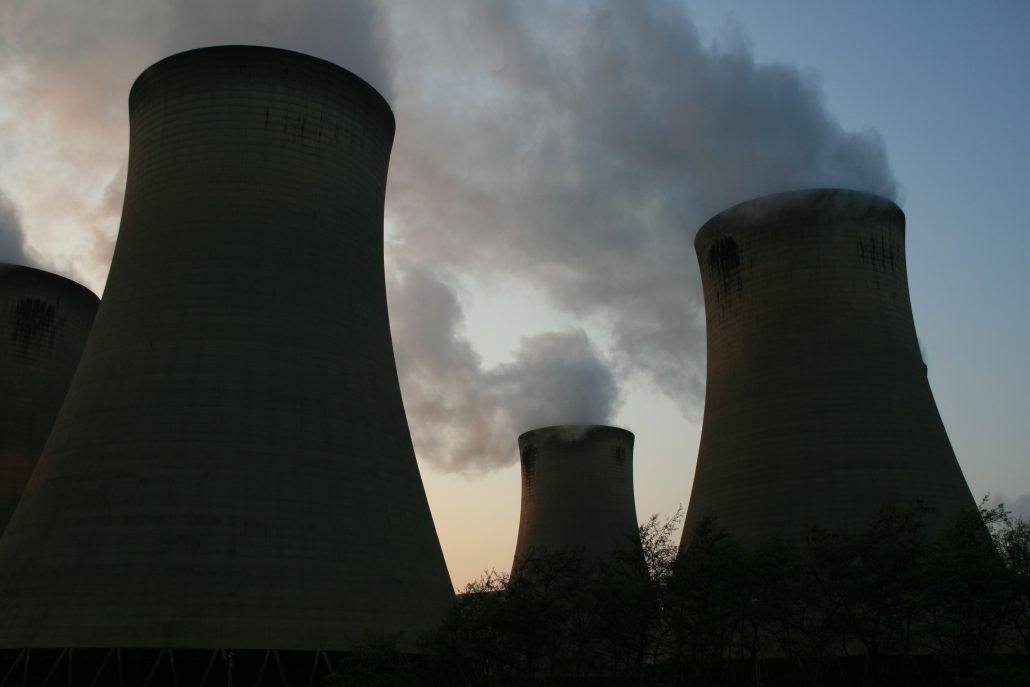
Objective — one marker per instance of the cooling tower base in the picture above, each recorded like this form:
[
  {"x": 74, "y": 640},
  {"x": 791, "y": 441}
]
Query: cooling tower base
[{"x": 171, "y": 667}]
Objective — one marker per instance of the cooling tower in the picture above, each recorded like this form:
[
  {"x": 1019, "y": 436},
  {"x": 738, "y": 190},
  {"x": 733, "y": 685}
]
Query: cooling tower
[
  {"x": 44, "y": 321},
  {"x": 817, "y": 409},
  {"x": 577, "y": 492},
  {"x": 232, "y": 466}
]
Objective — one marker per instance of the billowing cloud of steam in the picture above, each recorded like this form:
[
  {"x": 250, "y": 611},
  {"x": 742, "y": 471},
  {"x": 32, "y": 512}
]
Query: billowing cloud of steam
[
  {"x": 466, "y": 417},
  {"x": 580, "y": 145},
  {"x": 63, "y": 90},
  {"x": 12, "y": 240}
]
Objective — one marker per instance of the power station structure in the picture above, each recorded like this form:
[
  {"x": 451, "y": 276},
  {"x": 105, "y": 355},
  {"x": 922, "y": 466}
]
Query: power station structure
[
  {"x": 44, "y": 322},
  {"x": 818, "y": 412},
  {"x": 577, "y": 493},
  {"x": 232, "y": 468}
]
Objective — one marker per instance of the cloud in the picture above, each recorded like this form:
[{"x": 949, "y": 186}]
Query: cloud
[
  {"x": 466, "y": 417},
  {"x": 63, "y": 93},
  {"x": 12, "y": 240},
  {"x": 1019, "y": 507},
  {"x": 579, "y": 146}
]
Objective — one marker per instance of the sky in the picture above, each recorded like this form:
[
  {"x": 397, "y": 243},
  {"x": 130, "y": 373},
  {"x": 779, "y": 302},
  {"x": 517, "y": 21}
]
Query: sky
[{"x": 551, "y": 164}]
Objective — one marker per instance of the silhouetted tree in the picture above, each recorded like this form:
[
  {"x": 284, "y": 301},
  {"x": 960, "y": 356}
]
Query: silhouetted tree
[
  {"x": 881, "y": 606},
  {"x": 968, "y": 589},
  {"x": 705, "y": 603}
]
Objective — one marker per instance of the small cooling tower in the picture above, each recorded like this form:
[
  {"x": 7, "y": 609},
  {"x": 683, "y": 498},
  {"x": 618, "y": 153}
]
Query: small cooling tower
[
  {"x": 577, "y": 492},
  {"x": 817, "y": 409},
  {"x": 44, "y": 322},
  {"x": 232, "y": 467}
]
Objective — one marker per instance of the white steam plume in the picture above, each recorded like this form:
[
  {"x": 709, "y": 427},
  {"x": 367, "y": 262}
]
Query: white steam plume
[
  {"x": 579, "y": 146},
  {"x": 465, "y": 417}
]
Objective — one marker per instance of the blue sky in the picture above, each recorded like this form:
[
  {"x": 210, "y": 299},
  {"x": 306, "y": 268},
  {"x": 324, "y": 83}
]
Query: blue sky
[{"x": 539, "y": 201}]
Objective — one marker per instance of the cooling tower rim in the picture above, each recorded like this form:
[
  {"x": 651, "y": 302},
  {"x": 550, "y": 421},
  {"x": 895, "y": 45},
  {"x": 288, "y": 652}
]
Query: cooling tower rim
[
  {"x": 239, "y": 50},
  {"x": 571, "y": 432},
  {"x": 8, "y": 268},
  {"x": 752, "y": 213}
]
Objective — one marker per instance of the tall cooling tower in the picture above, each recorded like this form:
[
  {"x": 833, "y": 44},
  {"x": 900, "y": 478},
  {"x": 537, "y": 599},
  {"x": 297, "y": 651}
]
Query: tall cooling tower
[
  {"x": 232, "y": 466},
  {"x": 44, "y": 322},
  {"x": 577, "y": 492},
  {"x": 817, "y": 408}
]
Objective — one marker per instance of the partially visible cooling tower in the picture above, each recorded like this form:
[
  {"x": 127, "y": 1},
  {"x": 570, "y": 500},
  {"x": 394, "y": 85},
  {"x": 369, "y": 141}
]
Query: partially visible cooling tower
[
  {"x": 44, "y": 322},
  {"x": 232, "y": 466},
  {"x": 577, "y": 492},
  {"x": 817, "y": 409}
]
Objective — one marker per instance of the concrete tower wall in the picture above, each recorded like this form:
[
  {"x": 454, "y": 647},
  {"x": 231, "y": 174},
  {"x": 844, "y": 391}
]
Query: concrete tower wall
[
  {"x": 232, "y": 466},
  {"x": 817, "y": 409},
  {"x": 44, "y": 322},
  {"x": 577, "y": 491}
]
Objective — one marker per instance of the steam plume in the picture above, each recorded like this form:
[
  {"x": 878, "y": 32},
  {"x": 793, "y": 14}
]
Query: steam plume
[
  {"x": 12, "y": 239},
  {"x": 580, "y": 145},
  {"x": 465, "y": 417}
]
